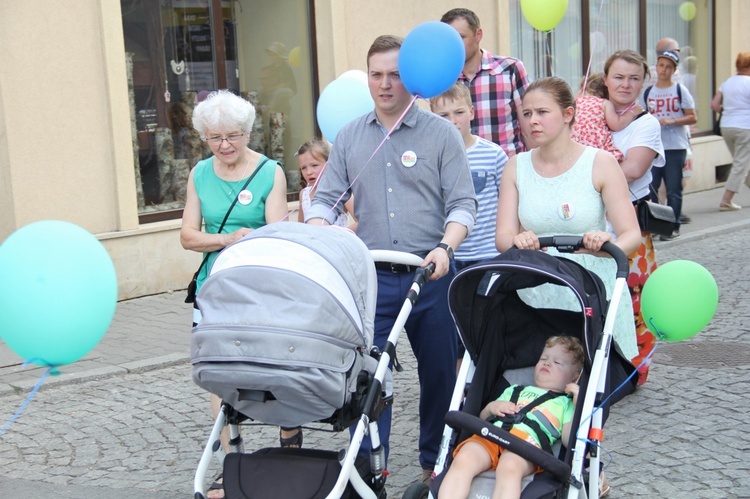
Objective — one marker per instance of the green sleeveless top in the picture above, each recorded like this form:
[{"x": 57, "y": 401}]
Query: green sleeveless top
[{"x": 216, "y": 195}]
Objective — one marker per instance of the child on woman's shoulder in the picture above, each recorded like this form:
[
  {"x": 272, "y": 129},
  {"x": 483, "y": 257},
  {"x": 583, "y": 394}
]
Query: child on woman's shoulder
[{"x": 596, "y": 117}]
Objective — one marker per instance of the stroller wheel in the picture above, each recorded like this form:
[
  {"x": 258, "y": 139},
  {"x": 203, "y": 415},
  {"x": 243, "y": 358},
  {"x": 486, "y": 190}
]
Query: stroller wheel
[{"x": 417, "y": 490}]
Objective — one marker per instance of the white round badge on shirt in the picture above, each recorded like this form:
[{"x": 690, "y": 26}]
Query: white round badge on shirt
[
  {"x": 566, "y": 211},
  {"x": 245, "y": 197},
  {"x": 409, "y": 159}
]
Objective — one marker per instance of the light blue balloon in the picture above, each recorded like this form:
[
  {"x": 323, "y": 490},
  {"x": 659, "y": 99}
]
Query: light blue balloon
[
  {"x": 58, "y": 293},
  {"x": 431, "y": 59},
  {"x": 343, "y": 100}
]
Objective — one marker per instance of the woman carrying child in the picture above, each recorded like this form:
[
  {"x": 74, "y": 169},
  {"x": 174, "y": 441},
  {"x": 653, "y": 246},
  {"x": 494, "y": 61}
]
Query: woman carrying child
[
  {"x": 640, "y": 142},
  {"x": 596, "y": 117}
]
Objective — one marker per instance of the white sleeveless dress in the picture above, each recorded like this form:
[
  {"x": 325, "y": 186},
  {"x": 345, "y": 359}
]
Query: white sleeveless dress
[
  {"x": 570, "y": 205},
  {"x": 306, "y": 202}
]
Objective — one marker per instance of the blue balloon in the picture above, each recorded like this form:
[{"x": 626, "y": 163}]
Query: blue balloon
[
  {"x": 58, "y": 293},
  {"x": 343, "y": 100},
  {"x": 431, "y": 59}
]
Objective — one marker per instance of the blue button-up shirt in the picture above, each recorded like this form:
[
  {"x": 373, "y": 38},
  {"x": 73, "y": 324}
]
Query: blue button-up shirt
[{"x": 415, "y": 184}]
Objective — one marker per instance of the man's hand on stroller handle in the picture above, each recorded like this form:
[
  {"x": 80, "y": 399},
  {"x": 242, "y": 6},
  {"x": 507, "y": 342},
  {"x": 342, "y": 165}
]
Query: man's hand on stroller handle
[{"x": 439, "y": 257}]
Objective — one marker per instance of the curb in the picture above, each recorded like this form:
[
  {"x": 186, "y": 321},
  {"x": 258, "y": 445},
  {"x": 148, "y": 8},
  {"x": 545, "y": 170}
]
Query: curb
[
  {"x": 26, "y": 385},
  {"x": 704, "y": 233}
]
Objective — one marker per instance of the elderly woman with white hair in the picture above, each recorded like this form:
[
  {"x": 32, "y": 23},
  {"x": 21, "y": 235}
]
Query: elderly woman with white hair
[{"x": 221, "y": 192}]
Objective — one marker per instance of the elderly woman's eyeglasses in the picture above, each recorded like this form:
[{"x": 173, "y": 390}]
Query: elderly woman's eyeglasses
[{"x": 232, "y": 138}]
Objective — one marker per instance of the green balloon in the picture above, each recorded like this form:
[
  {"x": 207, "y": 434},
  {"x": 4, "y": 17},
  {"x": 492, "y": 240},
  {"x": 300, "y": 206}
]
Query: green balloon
[
  {"x": 678, "y": 300},
  {"x": 58, "y": 293},
  {"x": 544, "y": 14}
]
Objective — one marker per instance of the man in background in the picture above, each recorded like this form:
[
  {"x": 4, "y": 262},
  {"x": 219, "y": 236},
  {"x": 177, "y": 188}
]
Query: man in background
[{"x": 497, "y": 84}]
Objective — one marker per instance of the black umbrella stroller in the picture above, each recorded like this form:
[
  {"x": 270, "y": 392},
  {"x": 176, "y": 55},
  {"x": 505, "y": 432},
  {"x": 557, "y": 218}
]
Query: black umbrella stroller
[
  {"x": 285, "y": 339},
  {"x": 504, "y": 337}
]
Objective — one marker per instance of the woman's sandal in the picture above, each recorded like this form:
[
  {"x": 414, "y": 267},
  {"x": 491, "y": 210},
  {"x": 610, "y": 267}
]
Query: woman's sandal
[
  {"x": 218, "y": 483},
  {"x": 604, "y": 488},
  {"x": 730, "y": 206},
  {"x": 294, "y": 442}
]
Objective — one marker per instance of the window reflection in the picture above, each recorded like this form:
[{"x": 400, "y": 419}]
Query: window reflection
[
  {"x": 175, "y": 58},
  {"x": 616, "y": 25}
]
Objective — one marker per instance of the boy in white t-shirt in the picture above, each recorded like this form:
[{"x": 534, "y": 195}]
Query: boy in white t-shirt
[
  {"x": 486, "y": 160},
  {"x": 672, "y": 104}
]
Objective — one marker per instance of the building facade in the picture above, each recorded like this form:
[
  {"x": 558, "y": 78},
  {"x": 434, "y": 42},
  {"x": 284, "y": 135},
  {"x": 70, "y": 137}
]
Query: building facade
[{"x": 95, "y": 95}]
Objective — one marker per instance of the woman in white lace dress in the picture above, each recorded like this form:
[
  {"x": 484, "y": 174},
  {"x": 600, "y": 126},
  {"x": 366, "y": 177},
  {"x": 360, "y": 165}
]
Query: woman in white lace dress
[
  {"x": 311, "y": 158},
  {"x": 561, "y": 187}
]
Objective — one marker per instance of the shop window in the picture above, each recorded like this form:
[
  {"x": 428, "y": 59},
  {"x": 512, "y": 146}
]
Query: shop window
[
  {"x": 690, "y": 24},
  {"x": 592, "y": 30},
  {"x": 178, "y": 51}
]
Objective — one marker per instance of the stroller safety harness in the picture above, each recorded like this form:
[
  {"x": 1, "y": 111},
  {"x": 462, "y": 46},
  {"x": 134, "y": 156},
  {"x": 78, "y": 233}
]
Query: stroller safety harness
[{"x": 535, "y": 423}]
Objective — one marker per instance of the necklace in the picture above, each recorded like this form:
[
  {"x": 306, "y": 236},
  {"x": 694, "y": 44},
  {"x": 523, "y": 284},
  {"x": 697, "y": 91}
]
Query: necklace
[
  {"x": 231, "y": 192},
  {"x": 560, "y": 166}
]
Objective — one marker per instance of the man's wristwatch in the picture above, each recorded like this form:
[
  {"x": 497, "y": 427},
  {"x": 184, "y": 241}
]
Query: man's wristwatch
[{"x": 447, "y": 249}]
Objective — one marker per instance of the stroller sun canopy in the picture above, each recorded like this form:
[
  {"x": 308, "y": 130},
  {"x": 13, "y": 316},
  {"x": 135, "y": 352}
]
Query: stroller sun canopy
[
  {"x": 313, "y": 280},
  {"x": 287, "y": 311}
]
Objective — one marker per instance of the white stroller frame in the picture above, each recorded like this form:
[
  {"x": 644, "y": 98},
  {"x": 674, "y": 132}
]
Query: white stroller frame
[
  {"x": 381, "y": 379},
  {"x": 364, "y": 425},
  {"x": 594, "y": 390}
]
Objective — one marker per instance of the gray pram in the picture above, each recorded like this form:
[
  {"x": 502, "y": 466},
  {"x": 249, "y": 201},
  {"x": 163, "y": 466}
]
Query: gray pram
[{"x": 285, "y": 339}]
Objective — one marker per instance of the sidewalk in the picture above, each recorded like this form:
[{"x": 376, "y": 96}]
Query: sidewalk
[{"x": 154, "y": 331}]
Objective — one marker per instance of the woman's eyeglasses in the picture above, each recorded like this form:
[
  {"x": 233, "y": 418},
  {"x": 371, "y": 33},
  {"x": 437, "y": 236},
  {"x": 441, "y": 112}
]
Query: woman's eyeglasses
[{"x": 232, "y": 138}]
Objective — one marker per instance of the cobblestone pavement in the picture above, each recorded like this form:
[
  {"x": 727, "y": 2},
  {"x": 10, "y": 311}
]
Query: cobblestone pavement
[{"x": 138, "y": 430}]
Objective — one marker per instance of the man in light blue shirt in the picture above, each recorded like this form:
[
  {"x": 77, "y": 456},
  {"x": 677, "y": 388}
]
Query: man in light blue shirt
[{"x": 415, "y": 195}]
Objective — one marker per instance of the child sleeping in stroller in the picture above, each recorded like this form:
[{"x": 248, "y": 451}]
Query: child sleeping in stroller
[{"x": 538, "y": 414}]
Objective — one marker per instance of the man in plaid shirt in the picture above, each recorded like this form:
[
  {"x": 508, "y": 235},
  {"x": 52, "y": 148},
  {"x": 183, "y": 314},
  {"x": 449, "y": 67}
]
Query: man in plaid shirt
[{"x": 497, "y": 84}]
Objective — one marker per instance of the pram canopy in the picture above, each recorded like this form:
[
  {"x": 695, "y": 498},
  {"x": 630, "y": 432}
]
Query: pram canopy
[
  {"x": 501, "y": 332},
  {"x": 484, "y": 299},
  {"x": 287, "y": 314}
]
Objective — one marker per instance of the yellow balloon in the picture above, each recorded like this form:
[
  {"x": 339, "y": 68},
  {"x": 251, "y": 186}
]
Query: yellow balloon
[
  {"x": 687, "y": 11},
  {"x": 574, "y": 51},
  {"x": 295, "y": 57},
  {"x": 544, "y": 14}
]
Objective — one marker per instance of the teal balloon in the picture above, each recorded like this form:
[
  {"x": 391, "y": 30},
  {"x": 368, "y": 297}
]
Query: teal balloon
[
  {"x": 58, "y": 293},
  {"x": 343, "y": 100},
  {"x": 678, "y": 300}
]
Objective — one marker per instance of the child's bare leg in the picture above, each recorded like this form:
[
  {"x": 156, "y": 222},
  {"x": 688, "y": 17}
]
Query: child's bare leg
[
  {"x": 510, "y": 472},
  {"x": 470, "y": 461}
]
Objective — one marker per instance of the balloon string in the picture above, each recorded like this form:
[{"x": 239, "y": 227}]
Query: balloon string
[
  {"x": 606, "y": 399},
  {"x": 317, "y": 179},
  {"x": 398, "y": 122},
  {"x": 593, "y": 46},
  {"x": 655, "y": 330},
  {"x": 50, "y": 370}
]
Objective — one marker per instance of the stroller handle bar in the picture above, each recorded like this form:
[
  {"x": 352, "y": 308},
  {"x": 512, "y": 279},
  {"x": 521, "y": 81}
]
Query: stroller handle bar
[
  {"x": 400, "y": 257},
  {"x": 569, "y": 244},
  {"x": 403, "y": 258}
]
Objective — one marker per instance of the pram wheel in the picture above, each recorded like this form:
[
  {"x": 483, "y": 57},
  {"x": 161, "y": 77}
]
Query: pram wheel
[{"x": 417, "y": 490}]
